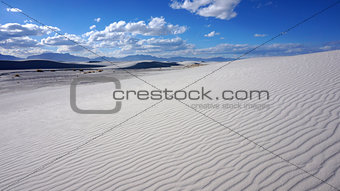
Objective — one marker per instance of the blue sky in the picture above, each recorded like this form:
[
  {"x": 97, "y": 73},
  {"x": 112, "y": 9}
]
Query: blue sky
[{"x": 202, "y": 28}]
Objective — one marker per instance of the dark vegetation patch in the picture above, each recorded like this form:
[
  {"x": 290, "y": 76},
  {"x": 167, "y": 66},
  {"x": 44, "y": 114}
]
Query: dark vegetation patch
[
  {"x": 41, "y": 64},
  {"x": 153, "y": 64}
]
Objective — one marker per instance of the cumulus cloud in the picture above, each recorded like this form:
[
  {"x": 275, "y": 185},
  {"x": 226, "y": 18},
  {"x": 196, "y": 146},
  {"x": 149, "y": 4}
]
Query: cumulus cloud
[
  {"x": 127, "y": 45},
  {"x": 221, "y": 9},
  {"x": 335, "y": 45},
  {"x": 327, "y": 47},
  {"x": 92, "y": 27},
  {"x": 15, "y": 10},
  {"x": 225, "y": 49},
  {"x": 22, "y": 52},
  {"x": 267, "y": 50},
  {"x": 97, "y": 19},
  {"x": 106, "y": 38},
  {"x": 212, "y": 34},
  {"x": 66, "y": 42},
  {"x": 260, "y": 35},
  {"x": 159, "y": 45},
  {"x": 20, "y": 47},
  {"x": 155, "y": 46},
  {"x": 11, "y": 30},
  {"x": 264, "y": 4},
  {"x": 15, "y": 39},
  {"x": 62, "y": 40},
  {"x": 19, "y": 42},
  {"x": 125, "y": 36},
  {"x": 119, "y": 36},
  {"x": 131, "y": 45},
  {"x": 156, "y": 27},
  {"x": 71, "y": 49}
]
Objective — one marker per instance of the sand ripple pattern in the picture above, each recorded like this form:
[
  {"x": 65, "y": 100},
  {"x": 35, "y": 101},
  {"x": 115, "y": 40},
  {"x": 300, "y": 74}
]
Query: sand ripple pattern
[{"x": 171, "y": 147}]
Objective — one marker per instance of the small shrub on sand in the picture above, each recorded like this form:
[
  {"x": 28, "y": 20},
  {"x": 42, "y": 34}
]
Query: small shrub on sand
[
  {"x": 99, "y": 70},
  {"x": 16, "y": 75},
  {"x": 38, "y": 70},
  {"x": 89, "y": 72}
]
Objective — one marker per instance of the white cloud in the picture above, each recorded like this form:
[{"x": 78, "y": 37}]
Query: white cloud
[
  {"x": 326, "y": 47},
  {"x": 155, "y": 46},
  {"x": 334, "y": 45},
  {"x": 156, "y": 27},
  {"x": 264, "y": 4},
  {"x": 128, "y": 38},
  {"x": 157, "y": 42},
  {"x": 19, "y": 42},
  {"x": 66, "y": 43},
  {"x": 123, "y": 35},
  {"x": 225, "y": 49},
  {"x": 22, "y": 52},
  {"x": 10, "y": 30},
  {"x": 128, "y": 44},
  {"x": 267, "y": 50},
  {"x": 71, "y": 49},
  {"x": 106, "y": 38},
  {"x": 221, "y": 9},
  {"x": 118, "y": 37},
  {"x": 160, "y": 44},
  {"x": 15, "y": 10},
  {"x": 15, "y": 39},
  {"x": 212, "y": 34},
  {"x": 260, "y": 35},
  {"x": 92, "y": 27},
  {"x": 97, "y": 19},
  {"x": 59, "y": 40},
  {"x": 192, "y": 6}
]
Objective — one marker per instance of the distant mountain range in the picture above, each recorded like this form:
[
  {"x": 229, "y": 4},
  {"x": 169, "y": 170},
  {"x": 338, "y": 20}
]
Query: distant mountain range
[
  {"x": 8, "y": 57},
  {"x": 58, "y": 57},
  {"x": 171, "y": 59},
  {"x": 71, "y": 58},
  {"x": 42, "y": 64}
]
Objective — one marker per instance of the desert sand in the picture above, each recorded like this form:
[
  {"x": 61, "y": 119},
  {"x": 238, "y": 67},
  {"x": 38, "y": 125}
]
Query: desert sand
[{"x": 293, "y": 143}]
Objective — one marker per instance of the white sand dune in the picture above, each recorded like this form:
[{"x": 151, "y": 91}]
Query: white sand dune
[{"x": 292, "y": 144}]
